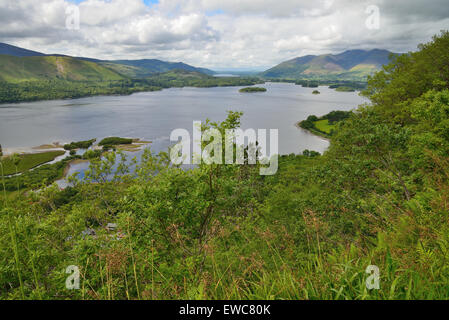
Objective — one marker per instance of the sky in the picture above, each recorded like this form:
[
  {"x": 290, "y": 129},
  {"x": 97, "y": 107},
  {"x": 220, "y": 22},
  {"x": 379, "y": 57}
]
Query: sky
[{"x": 219, "y": 34}]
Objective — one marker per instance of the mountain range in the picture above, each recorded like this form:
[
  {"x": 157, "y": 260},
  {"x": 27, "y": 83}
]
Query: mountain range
[
  {"x": 19, "y": 64},
  {"x": 349, "y": 65}
]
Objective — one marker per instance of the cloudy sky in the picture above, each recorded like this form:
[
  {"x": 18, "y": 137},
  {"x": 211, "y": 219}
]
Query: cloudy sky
[{"x": 219, "y": 34}]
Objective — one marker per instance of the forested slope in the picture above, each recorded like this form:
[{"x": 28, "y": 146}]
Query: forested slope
[{"x": 20, "y": 69}]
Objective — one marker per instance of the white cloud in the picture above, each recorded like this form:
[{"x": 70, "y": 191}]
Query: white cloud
[{"x": 216, "y": 33}]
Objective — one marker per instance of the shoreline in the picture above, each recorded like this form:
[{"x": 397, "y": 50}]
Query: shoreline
[
  {"x": 159, "y": 89},
  {"x": 69, "y": 165},
  {"x": 314, "y": 132},
  {"x": 135, "y": 146},
  {"x": 29, "y": 150}
]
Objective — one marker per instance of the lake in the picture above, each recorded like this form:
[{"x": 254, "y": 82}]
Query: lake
[{"x": 153, "y": 115}]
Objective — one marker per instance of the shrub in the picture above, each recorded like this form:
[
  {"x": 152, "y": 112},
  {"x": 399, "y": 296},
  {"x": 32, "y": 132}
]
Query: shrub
[
  {"x": 113, "y": 141},
  {"x": 80, "y": 145}
]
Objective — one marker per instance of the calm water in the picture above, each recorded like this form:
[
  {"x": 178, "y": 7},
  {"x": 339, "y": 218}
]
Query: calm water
[{"x": 153, "y": 115}]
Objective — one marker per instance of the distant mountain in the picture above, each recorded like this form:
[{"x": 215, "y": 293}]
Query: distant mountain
[
  {"x": 349, "y": 65},
  {"x": 147, "y": 67},
  {"x": 17, "y": 52},
  {"x": 18, "y": 69},
  {"x": 158, "y": 66},
  {"x": 126, "y": 68}
]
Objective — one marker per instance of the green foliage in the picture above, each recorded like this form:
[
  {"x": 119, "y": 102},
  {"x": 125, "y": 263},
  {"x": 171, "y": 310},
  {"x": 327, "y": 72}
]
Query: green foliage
[
  {"x": 411, "y": 75},
  {"x": 310, "y": 153},
  {"x": 92, "y": 154},
  {"x": 62, "y": 89},
  {"x": 338, "y": 85},
  {"x": 80, "y": 145},
  {"x": 307, "y": 83},
  {"x": 253, "y": 89},
  {"x": 114, "y": 141},
  {"x": 336, "y": 116}
]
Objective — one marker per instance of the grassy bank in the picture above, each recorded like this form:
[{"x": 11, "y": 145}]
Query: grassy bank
[
  {"x": 28, "y": 161},
  {"x": 324, "y": 126}
]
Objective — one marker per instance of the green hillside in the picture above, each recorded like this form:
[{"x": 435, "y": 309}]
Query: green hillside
[
  {"x": 349, "y": 65},
  {"x": 147, "y": 67},
  {"x": 19, "y": 69},
  {"x": 76, "y": 68},
  {"x": 127, "y": 70},
  {"x": 17, "y": 52}
]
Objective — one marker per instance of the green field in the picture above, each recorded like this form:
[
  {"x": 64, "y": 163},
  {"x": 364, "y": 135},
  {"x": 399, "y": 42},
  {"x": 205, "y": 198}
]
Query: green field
[
  {"x": 28, "y": 161},
  {"x": 323, "y": 125}
]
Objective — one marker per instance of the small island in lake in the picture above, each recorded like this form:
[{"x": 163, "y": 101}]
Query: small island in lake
[
  {"x": 345, "y": 89},
  {"x": 253, "y": 89},
  {"x": 125, "y": 144},
  {"x": 316, "y": 92}
]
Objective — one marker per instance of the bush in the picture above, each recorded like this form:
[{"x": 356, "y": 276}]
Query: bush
[
  {"x": 80, "y": 145},
  {"x": 311, "y": 153},
  {"x": 113, "y": 141},
  {"x": 253, "y": 89},
  {"x": 92, "y": 154}
]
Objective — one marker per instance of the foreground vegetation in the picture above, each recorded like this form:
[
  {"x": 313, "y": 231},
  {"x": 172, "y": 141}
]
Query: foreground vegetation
[{"x": 378, "y": 196}]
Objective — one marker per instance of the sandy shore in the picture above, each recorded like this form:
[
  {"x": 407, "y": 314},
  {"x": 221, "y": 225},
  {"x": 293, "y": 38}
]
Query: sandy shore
[
  {"x": 38, "y": 149},
  {"x": 135, "y": 146}
]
